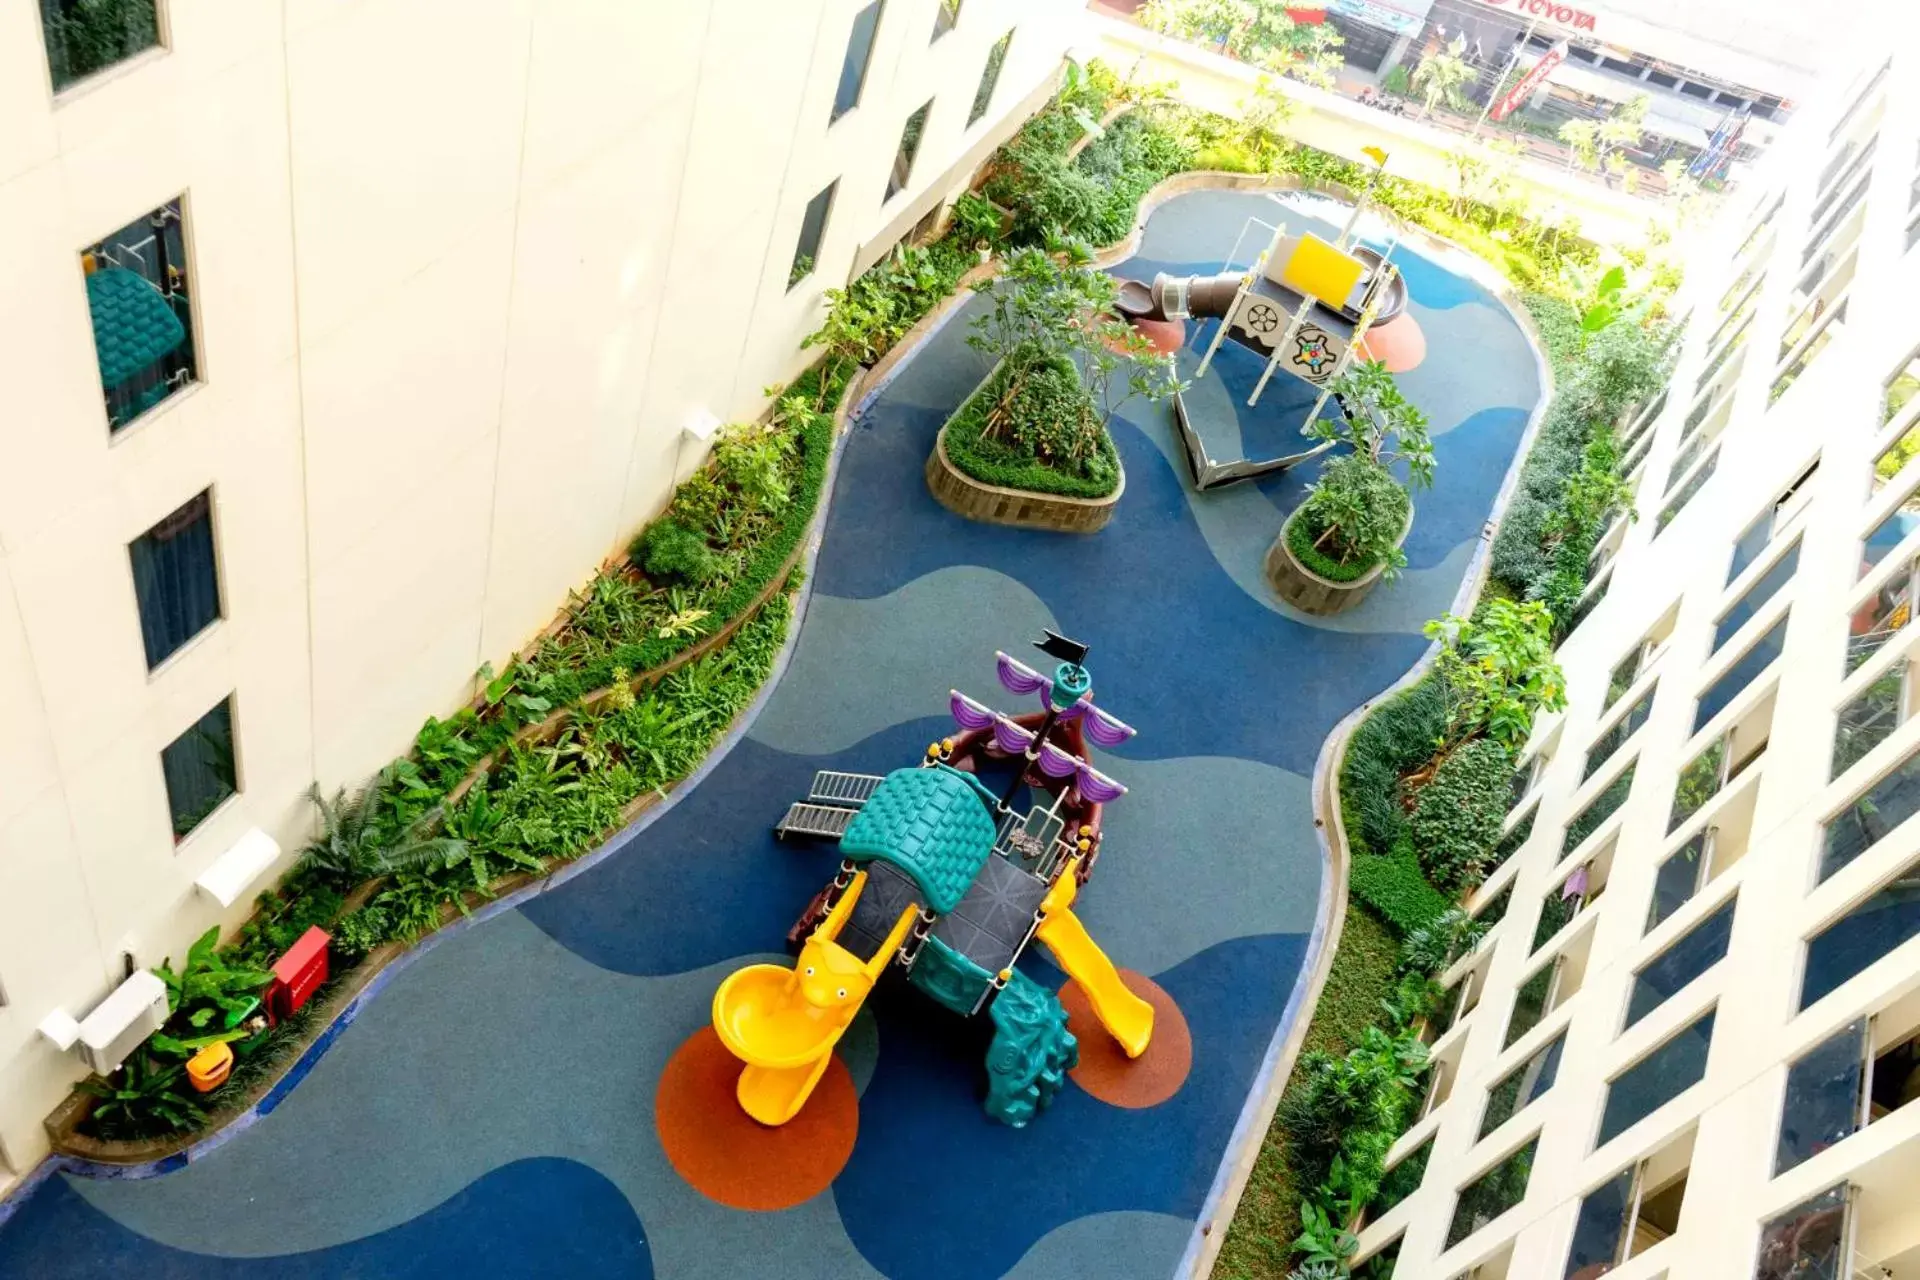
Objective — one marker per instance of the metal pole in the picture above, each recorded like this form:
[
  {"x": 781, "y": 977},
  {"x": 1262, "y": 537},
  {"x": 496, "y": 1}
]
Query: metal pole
[
  {"x": 1513, "y": 60},
  {"x": 1273, "y": 362}
]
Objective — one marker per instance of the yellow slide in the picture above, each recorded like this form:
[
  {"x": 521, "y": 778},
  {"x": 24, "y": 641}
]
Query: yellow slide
[
  {"x": 783, "y": 1023},
  {"x": 1127, "y": 1018}
]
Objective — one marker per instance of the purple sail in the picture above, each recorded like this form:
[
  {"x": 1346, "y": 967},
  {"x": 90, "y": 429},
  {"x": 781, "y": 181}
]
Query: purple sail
[
  {"x": 967, "y": 713},
  {"x": 1104, "y": 729},
  {"x": 1098, "y": 787},
  {"x": 1056, "y": 763},
  {"x": 1009, "y": 736},
  {"x": 1018, "y": 677}
]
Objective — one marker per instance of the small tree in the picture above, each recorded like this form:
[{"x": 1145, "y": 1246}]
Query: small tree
[
  {"x": 1498, "y": 671},
  {"x": 1379, "y": 423},
  {"x": 1443, "y": 74},
  {"x": 1583, "y": 140},
  {"x": 1623, "y": 127}
]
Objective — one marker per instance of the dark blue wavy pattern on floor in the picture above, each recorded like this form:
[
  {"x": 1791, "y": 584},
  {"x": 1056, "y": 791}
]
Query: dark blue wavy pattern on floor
[
  {"x": 532, "y": 1218},
  {"x": 936, "y": 1191}
]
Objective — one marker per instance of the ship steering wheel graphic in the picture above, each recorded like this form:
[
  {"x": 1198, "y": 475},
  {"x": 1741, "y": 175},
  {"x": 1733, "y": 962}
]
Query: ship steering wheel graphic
[{"x": 1261, "y": 318}]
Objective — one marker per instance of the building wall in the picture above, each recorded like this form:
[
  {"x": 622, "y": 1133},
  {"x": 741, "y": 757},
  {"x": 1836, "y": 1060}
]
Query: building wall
[
  {"x": 461, "y": 270},
  {"x": 1777, "y": 806}
]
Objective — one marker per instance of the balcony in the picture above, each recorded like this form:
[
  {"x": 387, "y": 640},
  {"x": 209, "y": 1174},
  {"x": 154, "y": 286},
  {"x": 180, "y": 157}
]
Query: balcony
[{"x": 85, "y": 37}]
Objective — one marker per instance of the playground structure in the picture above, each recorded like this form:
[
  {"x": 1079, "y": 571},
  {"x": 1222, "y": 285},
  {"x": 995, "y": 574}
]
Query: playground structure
[
  {"x": 946, "y": 878},
  {"x": 1305, "y": 307}
]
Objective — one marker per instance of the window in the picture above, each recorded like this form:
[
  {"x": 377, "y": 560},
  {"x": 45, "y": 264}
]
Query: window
[
  {"x": 1495, "y": 911},
  {"x": 1401, "y": 1181},
  {"x": 1680, "y": 499},
  {"x": 1890, "y": 532},
  {"x": 199, "y": 769},
  {"x": 813, "y": 229},
  {"x": 1720, "y": 762},
  {"x": 1869, "y": 717},
  {"x": 1853, "y": 106},
  {"x": 1880, "y": 617},
  {"x": 1631, "y": 1212},
  {"x": 1491, "y": 1194},
  {"x": 1590, "y": 599},
  {"x": 1616, "y": 734},
  {"x": 87, "y": 36},
  {"x": 1522, "y": 1085},
  {"x": 1824, "y": 1098},
  {"x": 137, "y": 294},
  {"x": 1692, "y": 954},
  {"x": 174, "y": 579},
  {"x": 1743, "y": 672},
  {"x": 1871, "y": 816},
  {"x": 1656, "y": 1079},
  {"x": 1580, "y": 890},
  {"x": 1531, "y": 1001},
  {"x": 902, "y": 171},
  {"x": 1511, "y": 842},
  {"x": 1893, "y": 459},
  {"x": 1865, "y": 934},
  {"x": 1598, "y": 810},
  {"x": 1725, "y": 352},
  {"x": 853, "y": 68},
  {"x": 1756, "y": 537},
  {"x": 989, "y": 79},
  {"x": 1756, "y": 596},
  {"x": 1830, "y": 327},
  {"x": 1680, "y": 876},
  {"x": 946, "y": 16},
  {"x": 1899, "y": 390},
  {"x": 1808, "y": 1241}
]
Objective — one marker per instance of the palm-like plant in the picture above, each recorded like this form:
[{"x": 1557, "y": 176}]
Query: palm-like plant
[
  {"x": 1443, "y": 74},
  {"x": 352, "y": 845}
]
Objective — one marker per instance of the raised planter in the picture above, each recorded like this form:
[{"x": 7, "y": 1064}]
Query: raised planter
[
  {"x": 1311, "y": 593},
  {"x": 961, "y": 494}
]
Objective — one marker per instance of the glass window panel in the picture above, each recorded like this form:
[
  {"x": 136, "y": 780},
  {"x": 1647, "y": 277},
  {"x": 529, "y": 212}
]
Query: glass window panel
[
  {"x": 1563, "y": 904},
  {"x": 1522, "y": 1085},
  {"x": 174, "y": 579},
  {"x": 1618, "y": 732},
  {"x": 1869, "y": 718},
  {"x": 853, "y": 68},
  {"x": 1822, "y": 1102},
  {"x": 1764, "y": 588},
  {"x": 1530, "y": 1003},
  {"x": 946, "y": 16},
  {"x": 1871, "y": 815},
  {"x": 1680, "y": 500},
  {"x": 1678, "y": 878},
  {"x": 137, "y": 297},
  {"x": 1894, "y": 458},
  {"x": 1622, "y": 677},
  {"x": 83, "y": 38},
  {"x": 1902, "y": 385},
  {"x": 1598, "y": 809},
  {"x": 1600, "y": 1230},
  {"x": 1657, "y": 1079},
  {"x": 813, "y": 229},
  {"x": 1496, "y": 911},
  {"x": 199, "y": 768},
  {"x": 1687, "y": 456},
  {"x": 989, "y": 79},
  {"x": 1807, "y": 1242},
  {"x": 1698, "y": 783},
  {"x": 1887, "y": 535},
  {"x": 1512, "y": 841},
  {"x": 1491, "y": 1194},
  {"x": 1829, "y": 330},
  {"x": 1750, "y": 544},
  {"x": 1590, "y": 601},
  {"x": 1741, "y": 674},
  {"x": 902, "y": 171},
  {"x": 1881, "y": 618},
  {"x": 1865, "y": 934},
  {"x": 1401, "y": 1181},
  {"x": 1692, "y": 954}
]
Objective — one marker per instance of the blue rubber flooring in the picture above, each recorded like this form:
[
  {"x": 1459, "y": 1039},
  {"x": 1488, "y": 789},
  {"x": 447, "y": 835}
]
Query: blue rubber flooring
[{"x": 490, "y": 1113}]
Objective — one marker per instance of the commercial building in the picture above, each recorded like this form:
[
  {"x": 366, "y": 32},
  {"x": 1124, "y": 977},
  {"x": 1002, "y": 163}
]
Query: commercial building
[
  {"x": 1689, "y": 1046},
  {"x": 341, "y": 341}
]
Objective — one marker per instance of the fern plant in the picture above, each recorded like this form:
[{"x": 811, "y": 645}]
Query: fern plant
[{"x": 353, "y": 844}]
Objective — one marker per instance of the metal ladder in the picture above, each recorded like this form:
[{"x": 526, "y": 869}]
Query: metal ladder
[{"x": 831, "y": 802}]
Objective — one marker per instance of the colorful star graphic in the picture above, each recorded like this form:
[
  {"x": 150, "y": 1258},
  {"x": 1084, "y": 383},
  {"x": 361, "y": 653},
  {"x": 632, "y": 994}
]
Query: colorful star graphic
[{"x": 1314, "y": 352}]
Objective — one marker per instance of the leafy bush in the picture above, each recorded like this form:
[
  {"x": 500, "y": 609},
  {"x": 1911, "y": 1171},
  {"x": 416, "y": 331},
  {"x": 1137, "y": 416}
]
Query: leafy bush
[
  {"x": 670, "y": 550},
  {"x": 1498, "y": 670},
  {"x": 1053, "y": 420},
  {"x": 359, "y": 932},
  {"x": 1341, "y": 1107},
  {"x": 1398, "y": 735},
  {"x": 1014, "y": 466},
  {"x": 1350, "y": 521},
  {"x": 1432, "y": 948},
  {"x": 1457, "y": 816},
  {"x": 1393, "y": 885}
]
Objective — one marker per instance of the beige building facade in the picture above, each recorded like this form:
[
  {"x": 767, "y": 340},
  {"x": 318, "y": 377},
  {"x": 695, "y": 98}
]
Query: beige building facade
[
  {"x": 463, "y": 288},
  {"x": 1689, "y": 1046}
]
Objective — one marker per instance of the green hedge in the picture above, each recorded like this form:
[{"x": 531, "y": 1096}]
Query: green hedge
[
  {"x": 1397, "y": 736},
  {"x": 1395, "y": 888},
  {"x": 1300, "y": 539},
  {"x": 992, "y": 462}
]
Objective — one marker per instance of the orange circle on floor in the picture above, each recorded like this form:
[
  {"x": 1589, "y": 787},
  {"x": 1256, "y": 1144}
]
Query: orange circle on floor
[
  {"x": 727, "y": 1156},
  {"x": 1105, "y": 1070},
  {"x": 1399, "y": 343}
]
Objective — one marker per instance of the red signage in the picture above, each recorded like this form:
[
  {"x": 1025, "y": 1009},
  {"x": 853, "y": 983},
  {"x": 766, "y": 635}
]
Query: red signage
[
  {"x": 1530, "y": 81},
  {"x": 1550, "y": 10},
  {"x": 298, "y": 974}
]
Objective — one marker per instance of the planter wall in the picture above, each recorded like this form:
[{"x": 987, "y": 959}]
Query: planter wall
[
  {"x": 961, "y": 494},
  {"x": 1306, "y": 590}
]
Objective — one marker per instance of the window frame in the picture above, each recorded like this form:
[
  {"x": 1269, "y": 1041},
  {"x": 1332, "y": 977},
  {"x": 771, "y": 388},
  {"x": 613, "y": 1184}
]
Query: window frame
[
  {"x": 878, "y": 8},
  {"x": 188, "y": 644}
]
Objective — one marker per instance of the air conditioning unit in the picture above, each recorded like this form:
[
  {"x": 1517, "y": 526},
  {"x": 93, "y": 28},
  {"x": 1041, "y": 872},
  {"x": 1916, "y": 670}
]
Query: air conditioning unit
[{"x": 136, "y": 1009}]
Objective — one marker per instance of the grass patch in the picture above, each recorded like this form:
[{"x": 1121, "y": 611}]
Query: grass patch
[
  {"x": 1300, "y": 539},
  {"x": 1268, "y": 1217},
  {"x": 1000, "y": 463}
]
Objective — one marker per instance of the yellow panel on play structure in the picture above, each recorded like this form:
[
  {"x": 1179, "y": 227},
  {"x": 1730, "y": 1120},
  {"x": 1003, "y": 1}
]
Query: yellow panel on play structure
[{"x": 1321, "y": 271}]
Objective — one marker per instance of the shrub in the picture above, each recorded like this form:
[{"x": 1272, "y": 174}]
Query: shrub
[
  {"x": 1498, "y": 670},
  {"x": 1393, "y": 885},
  {"x": 1457, "y": 816},
  {"x": 1351, "y": 520},
  {"x": 1432, "y": 948},
  {"x": 1397, "y": 735},
  {"x": 670, "y": 551},
  {"x": 359, "y": 932},
  {"x": 1342, "y": 1107},
  {"x": 1052, "y": 419},
  {"x": 1000, "y": 462}
]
